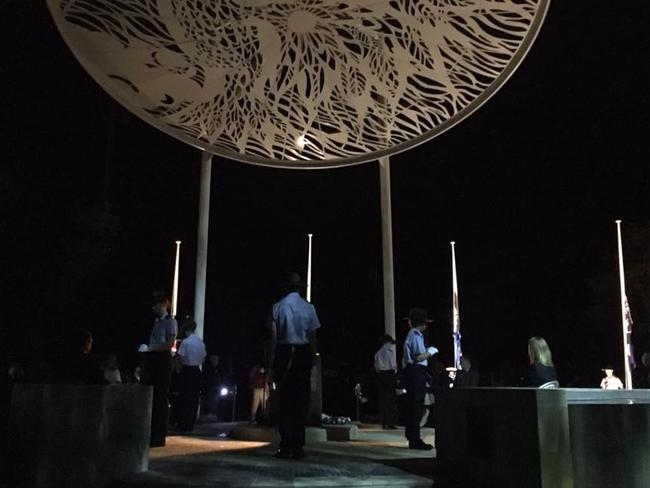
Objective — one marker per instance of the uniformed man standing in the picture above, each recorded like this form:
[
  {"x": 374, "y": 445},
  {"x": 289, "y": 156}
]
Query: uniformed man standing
[
  {"x": 293, "y": 346},
  {"x": 386, "y": 367},
  {"x": 158, "y": 366},
  {"x": 191, "y": 354},
  {"x": 415, "y": 364}
]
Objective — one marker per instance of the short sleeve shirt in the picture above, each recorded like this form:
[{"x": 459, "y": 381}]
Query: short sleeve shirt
[
  {"x": 192, "y": 351},
  {"x": 385, "y": 358},
  {"x": 611, "y": 383},
  {"x": 413, "y": 347},
  {"x": 293, "y": 318},
  {"x": 164, "y": 330}
]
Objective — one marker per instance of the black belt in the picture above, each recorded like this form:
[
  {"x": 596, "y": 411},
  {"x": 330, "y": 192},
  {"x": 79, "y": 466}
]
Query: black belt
[{"x": 386, "y": 371}]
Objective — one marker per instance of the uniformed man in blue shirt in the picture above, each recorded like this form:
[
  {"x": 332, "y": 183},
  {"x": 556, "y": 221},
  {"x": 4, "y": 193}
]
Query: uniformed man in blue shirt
[
  {"x": 191, "y": 354},
  {"x": 415, "y": 364},
  {"x": 292, "y": 328},
  {"x": 386, "y": 367},
  {"x": 158, "y": 365}
]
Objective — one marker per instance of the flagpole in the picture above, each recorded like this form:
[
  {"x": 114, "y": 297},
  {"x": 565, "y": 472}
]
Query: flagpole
[
  {"x": 624, "y": 315},
  {"x": 455, "y": 309},
  {"x": 176, "y": 266},
  {"x": 309, "y": 269}
]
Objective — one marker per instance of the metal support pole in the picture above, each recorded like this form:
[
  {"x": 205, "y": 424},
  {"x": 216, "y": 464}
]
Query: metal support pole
[
  {"x": 202, "y": 243},
  {"x": 387, "y": 246}
]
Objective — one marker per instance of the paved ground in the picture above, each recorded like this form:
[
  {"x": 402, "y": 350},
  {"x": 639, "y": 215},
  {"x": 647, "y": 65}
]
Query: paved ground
[{"x": 209, "y": 458}]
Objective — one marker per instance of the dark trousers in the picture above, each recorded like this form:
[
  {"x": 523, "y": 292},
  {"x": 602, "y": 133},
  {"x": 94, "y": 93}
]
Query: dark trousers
[
  {"x": 190, "y": 389},
  {"x": 158, "y": 374},
  {"x": 292, "y": 377},
  {"x": 386, "y": 396},
  {"x": 415, "y": 387}
]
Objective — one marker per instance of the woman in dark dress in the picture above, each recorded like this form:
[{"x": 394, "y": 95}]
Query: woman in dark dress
[{"x": 541, "y": 369}]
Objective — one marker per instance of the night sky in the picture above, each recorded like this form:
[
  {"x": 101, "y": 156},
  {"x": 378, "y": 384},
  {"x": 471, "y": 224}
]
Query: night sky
[{"x": 529, "y": 187}]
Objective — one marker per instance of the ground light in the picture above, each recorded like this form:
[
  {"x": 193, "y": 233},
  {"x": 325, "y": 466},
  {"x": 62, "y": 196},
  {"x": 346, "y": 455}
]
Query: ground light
[{"x": 229, "y": 391}]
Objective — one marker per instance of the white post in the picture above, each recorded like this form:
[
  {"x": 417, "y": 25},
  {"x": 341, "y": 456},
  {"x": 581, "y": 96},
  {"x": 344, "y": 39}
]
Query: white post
[
  {"x": 202, "y": 243},
  {"x": 458, "y": 353},
  {"x": 625, "y": 315},
  {"x": 175, "y": 288},
  {"x": 309, "y": 269},
  {"x": 387, "y": 247}
]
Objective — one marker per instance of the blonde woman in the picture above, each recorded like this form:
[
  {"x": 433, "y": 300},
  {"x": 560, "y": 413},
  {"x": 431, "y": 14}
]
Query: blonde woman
[{"x": 541, "y": 369}]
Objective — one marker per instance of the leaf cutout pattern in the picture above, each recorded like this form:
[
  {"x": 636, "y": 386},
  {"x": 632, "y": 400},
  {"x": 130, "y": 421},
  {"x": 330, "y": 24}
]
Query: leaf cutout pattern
[{"x": 300, "y": 83}]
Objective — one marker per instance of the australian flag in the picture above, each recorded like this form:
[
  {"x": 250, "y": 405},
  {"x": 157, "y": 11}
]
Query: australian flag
[
  {"x": 458, "y": 353},
  {"x": 629, "y": 350}
]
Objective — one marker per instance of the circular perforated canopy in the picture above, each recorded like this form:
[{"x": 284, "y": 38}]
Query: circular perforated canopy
[{"x": 300, "y": 84}]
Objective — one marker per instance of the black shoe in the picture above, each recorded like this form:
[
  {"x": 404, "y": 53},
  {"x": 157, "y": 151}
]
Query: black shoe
[
  {"x": 298, "y": 453},
  {"x": 420, "y": 445},
  {"x": 282, "y": 454}
]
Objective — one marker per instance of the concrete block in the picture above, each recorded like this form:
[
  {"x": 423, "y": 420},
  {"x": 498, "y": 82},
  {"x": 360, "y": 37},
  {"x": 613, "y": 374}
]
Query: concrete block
[
  {"x": 610, "y": 438},
  {"x": 78, "y": 435},
  {"x": 347, "y": 432},
  {"x": 315, "y": 434},
  {"x": 263, "y": 433},
  {"x": 557, "y": 438},
  {"x": 505, "y": 437}
]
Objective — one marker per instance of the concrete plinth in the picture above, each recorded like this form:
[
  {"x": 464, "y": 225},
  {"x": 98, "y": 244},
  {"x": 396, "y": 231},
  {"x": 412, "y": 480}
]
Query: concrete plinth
[
  {"x": 561, "y": 438},
  {"x": 263, "y": 433},
  {"x": 610, "y": 437},
  {"x": 77, "y": 435},
  {"x": 347, "y": 432},
  {"x": 505, "y": 437}
]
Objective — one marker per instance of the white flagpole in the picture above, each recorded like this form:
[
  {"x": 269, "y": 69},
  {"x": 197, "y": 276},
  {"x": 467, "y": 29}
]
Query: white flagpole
[
  {"x": 176, "y": 266},
  {"x": 626, "y": 344},
  {"x": 309, "y": 269},
  {"x": 455, "y": 309}
]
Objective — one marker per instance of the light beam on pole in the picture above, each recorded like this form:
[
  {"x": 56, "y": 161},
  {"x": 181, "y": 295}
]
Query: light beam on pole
[
  {"x": 458, "y": 353},
  {"x": 309, "y": 269},
  {"x": 176, "y": 266},
  {"x": 627, "y": 352}
]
